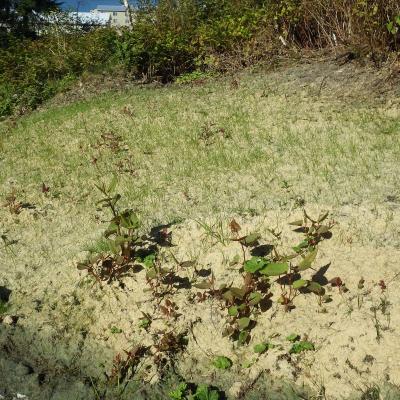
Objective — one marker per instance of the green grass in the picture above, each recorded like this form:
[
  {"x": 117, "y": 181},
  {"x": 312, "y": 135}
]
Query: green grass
[{"x": 325, "y": 151}]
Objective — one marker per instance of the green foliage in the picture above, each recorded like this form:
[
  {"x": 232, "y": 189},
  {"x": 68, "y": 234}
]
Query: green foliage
[
  {"x": 114, "y": 330},
  {"x": 222, "y": 362},
  {"x": 244, "y": 303},
  {"x": 4, "y": 306},
  {"x": 187, "y": 39},
  {"x": 255, "y": 264},
  {"x": 121, "y": 245},
  {"x": 394, "y": 25},
  {"x": 300, "y": 347},
  {"x": 260, "y": 348},
  {"x": 179, "y": 392},
  {"x": 145, "y": 323},
  {"x": 293, "y": 337},
  {"x": 32, "y": 71},
  {"x": 194, "y": 76},
  {"x": 203, "y": 392}
]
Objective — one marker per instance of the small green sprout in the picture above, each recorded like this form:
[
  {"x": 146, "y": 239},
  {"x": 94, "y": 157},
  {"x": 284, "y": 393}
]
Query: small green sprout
[
  {"x": 222, "y": 362},
  {"x": 115, "y": 330}
]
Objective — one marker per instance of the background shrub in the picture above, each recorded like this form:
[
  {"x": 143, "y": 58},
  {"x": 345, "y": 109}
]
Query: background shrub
[{"x": 171, "y": 38}]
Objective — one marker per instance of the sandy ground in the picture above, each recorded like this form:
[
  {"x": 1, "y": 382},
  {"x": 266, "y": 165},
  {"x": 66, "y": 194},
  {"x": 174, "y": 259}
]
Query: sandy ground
[
  {"x": 67, "y": 319},
  {"x": 66, "y": 330}
]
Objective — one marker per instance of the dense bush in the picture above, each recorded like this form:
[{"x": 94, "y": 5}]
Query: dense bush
[
  {"x": 175, "y": 37},
  {"x": 33, "y": 70}
]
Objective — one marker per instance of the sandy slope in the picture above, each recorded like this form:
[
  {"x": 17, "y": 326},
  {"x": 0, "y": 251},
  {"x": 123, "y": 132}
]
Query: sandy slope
[{"x": 63, "y": 342}]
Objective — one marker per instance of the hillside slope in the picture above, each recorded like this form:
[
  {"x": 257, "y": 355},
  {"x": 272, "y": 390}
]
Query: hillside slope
[{"x": 260, "y": 148}]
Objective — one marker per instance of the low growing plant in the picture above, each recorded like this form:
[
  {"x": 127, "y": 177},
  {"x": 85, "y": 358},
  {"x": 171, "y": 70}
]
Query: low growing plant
[
  {"x": 186, "y": 391},
  {"x": 262, "y": 273},
  {"x": 126, "y": 246}
]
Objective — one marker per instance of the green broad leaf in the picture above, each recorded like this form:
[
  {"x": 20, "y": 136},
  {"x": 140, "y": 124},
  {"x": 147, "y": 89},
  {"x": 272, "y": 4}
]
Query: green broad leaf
[
  {"x": 203, "y": 285},
  {"x": 233, "y": 311},
  {"x": 300, "y": 283},
  {"x": 298, "y": 222},
  {"x": 302, "y": 245},
  {"x": 251, "y": 239},
  {"x": 111, "y": 230},
  {"x": 203, "y": 392},
  {"x": 301, "y": 346},
  {"x": 222, "y": 362},
  {"x": 238, "y": 293},
  {"x": 113, "y": 184},
  {"x": 243, "y": 336},
  {"x": 115, "y": 200},
  {"x": 323, "y": 216},
  {"x": 243, "y": 323},
  {"x": 293, "y": 337},
  {"x": 275, "y": 269},
  {"x": 119, "y": 260},
  {"x": 254, "y": 264},
  {"x": 307, "y": 261},
  {"x": 281, "y": 300},
  {"x": 114, "y": 247},
  {"x": 149, "y": 260},
  {"x": 254, "y": 298},
  {"x": 391, "y": 28},
  {"x": 260, "y": 348},
  {"x": 129, "y": 220},
  {"x": 316, "y": 288}
]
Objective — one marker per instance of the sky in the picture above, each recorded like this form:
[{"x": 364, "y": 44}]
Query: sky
[{"x": 87, "y": 5}]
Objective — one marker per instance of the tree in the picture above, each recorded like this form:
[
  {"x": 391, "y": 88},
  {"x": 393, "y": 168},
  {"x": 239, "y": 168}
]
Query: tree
[{"x": 21, "y": 17}]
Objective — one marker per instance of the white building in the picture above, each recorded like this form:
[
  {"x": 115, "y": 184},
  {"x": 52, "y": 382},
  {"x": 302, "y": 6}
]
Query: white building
[
  {"x": 89, "y": 18},
  {"x": 118, "y": 15}
]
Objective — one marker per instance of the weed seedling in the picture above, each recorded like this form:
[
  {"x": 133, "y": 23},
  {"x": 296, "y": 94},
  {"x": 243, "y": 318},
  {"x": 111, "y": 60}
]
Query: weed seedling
[
  {"x": 121, "y": 238},
  {"x": 125, "y": 366}
]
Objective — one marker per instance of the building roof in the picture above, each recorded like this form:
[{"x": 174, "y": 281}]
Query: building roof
[
  {"x": 110, "y": 8},
  {"x": 90, "y": 18}
]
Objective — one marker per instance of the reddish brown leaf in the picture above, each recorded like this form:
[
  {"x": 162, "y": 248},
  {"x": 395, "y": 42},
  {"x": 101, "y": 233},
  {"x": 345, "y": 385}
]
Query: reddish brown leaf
[{"x": 235, "y": 227}]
